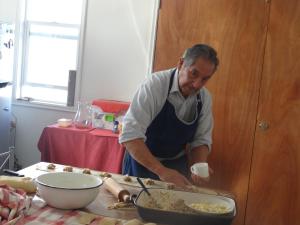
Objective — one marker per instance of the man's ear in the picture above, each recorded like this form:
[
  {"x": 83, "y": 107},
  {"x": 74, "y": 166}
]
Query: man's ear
[{"x": 180, "y": 63}]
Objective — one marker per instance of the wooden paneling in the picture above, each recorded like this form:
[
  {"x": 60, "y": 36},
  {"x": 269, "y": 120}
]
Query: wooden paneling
[
  {"x": 237, "y": 30},
  {"x": 274, "y": 196}
]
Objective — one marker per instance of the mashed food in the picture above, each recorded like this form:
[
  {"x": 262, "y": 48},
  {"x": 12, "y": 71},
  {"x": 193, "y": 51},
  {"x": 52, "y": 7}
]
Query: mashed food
[
  {"x": 209, "y": 207},
  {"x": 168, "y": 201}
]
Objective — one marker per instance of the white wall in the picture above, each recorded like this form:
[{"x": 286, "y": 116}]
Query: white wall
[
  {"x": 117, "y": 45},
  {"x": 30, "y": 123},
  {"x": 116, "y": 59},
  {"x": 8, "y": 10}
]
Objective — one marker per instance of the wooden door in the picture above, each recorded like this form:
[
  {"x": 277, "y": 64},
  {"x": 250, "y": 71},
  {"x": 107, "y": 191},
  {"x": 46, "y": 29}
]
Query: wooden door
[
  {"x": 274, "y": 191},
  {"x": 237, "y": 30}
]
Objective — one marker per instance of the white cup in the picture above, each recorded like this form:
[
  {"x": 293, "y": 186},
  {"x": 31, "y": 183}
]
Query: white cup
[{"x": 200, "y": 169}]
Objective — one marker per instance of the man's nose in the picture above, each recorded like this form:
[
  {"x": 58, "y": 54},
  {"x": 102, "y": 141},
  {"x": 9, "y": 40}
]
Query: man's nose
[{"x": 197, "y": 84}]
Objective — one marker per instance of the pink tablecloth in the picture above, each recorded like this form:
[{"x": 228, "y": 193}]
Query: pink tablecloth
[{"x": 93, "y": 149}]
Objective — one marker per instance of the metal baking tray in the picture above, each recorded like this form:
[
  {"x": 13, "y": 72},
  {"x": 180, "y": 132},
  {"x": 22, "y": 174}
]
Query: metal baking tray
[{"x": 164, "y": 197}]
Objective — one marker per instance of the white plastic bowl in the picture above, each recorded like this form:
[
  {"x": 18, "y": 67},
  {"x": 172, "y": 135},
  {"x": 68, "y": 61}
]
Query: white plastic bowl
[
  {"x": 63, "y": 122},
  {"x": 66, "y": 190}
]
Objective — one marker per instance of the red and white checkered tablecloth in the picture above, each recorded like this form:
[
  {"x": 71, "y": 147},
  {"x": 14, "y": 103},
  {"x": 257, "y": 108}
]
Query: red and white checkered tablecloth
[
  {"x": 41, "y": 214},
  {"x": 16, "y": 208},
  {"x": 13, "y": 204},
  {"x": 14, "y": 211}
]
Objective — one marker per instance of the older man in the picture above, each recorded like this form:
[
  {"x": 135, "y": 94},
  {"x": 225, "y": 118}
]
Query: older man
[{"x": 170, "y": 111}]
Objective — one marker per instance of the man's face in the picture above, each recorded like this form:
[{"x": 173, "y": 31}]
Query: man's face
[{"x": 193, "y": 78}]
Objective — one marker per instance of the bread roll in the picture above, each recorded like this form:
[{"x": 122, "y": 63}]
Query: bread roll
[{"x": 25, "y": 183}]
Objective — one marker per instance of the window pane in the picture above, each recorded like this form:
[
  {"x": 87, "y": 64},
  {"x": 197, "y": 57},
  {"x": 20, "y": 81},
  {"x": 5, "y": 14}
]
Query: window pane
[
  {"x": 51, "y": 39},
  {"x": 66, "y": 11},
  {"x": 47, "y": 29},
  {"x": 50, "y": 57},
  {"x": 45, "y": 94}
]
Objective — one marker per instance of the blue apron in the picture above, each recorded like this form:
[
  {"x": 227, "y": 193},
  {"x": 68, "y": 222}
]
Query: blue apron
[{"x": 166, "y": 136}]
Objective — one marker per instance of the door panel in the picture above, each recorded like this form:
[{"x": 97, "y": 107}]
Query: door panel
[
  {"x": 274, "y": 196},
  {"x": 237, "y": 30}
]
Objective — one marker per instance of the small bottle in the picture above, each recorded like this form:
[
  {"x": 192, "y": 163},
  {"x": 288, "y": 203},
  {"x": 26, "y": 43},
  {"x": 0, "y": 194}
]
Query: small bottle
[{"x": 116, "y": 127}]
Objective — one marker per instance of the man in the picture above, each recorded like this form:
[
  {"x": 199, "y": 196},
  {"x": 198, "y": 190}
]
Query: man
[{"x": 169, "y": 123}]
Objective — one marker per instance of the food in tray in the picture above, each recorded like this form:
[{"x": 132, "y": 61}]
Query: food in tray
[
  {"x": 210, "y": 207},
  {"x": 149, "y": 181},
  {"x": 105, "y": 174},
  {"x": 86, "y": 171},
  {"x": 127, "y": 178},
  {"x": 179, "y": 205},
  {"x": 164, "y": 198},
  {"x": 51, "y": 166},
  {"x": 170, "y": 203},
  {"x": 173, "y": 207},
  {"x": 185, "y": 202},
  {"x": 68, "y": 169}
]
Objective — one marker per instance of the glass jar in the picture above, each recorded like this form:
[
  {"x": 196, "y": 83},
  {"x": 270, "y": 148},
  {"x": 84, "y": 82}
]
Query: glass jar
[{"x": 83, "y": 116}]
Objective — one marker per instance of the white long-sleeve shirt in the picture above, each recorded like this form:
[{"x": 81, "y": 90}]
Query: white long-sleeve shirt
[{"x": 149, "y": 100}]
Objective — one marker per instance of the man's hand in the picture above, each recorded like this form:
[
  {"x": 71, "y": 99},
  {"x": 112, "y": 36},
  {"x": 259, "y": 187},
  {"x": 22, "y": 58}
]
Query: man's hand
[
  {"x": 173, "y": 176},
  {"x": 140, "y": 152}
]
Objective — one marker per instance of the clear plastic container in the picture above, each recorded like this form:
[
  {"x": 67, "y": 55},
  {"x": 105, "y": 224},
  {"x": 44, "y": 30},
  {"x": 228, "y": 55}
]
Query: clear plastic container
[
  {"x": 83, "y": 116},
  {"x": 97, "y": 117}
]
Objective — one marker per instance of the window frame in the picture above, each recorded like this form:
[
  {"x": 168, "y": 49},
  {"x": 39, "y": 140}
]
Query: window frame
[
  {"x": 27, "y": 26},
  {"x": 21, "y": 59}
]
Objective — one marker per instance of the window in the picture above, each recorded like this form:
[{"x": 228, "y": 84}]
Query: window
[{"x": 50, "y": 49}]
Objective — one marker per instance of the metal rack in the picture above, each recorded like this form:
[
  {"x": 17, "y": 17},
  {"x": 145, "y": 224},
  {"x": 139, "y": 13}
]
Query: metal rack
[{"x": 7, "y": 157}]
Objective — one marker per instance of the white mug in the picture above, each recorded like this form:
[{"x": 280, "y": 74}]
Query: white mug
[{"x": 200, "y": 169}]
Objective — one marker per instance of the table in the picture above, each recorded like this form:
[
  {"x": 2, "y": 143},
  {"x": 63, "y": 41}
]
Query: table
[
  {"x": 103, "y": 200},
  {"x": 98, "y": 207},
  {"x": 96, "y": 149}
]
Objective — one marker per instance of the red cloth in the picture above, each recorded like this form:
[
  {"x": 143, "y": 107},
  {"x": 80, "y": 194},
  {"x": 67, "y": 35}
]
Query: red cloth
[
  {"x": 93, "y": 149},
  {"x": 111, "y": 106},
  {"x": 104, "y": 133}
]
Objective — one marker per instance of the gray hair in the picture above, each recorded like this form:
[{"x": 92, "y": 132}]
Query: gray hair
[{"x": 200, "y": 50}]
